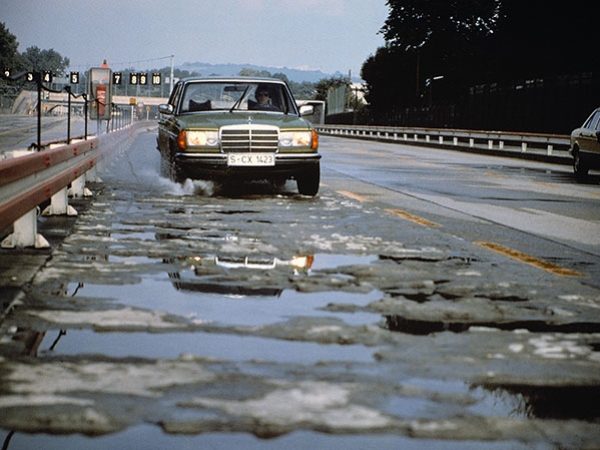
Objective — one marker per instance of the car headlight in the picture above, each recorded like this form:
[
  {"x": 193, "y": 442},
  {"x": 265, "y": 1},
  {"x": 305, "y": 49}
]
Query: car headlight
[
  {"x": 295, "y": 139},
  {"x": 192, "y": 138}
]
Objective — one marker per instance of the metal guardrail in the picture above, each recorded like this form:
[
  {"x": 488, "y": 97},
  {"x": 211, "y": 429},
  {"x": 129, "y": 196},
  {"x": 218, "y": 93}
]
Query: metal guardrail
[
  {"x": 547, "y": 147},
  {"x": 38, "y": 177}
]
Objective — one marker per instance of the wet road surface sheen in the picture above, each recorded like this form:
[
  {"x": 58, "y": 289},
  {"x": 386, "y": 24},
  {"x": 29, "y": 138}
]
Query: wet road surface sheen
[{"x": 245, "y": 317}]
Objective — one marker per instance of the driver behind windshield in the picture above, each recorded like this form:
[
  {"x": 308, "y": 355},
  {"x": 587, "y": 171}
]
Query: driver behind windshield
[{"x": 263, "y": 99}]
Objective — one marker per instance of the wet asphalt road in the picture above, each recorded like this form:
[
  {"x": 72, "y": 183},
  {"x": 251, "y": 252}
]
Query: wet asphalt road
[
  {"x": 388, "y": 312},
  {"x": 20, "y": 132}
]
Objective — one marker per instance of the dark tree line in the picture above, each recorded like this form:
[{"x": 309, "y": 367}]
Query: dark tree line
[{"x": 443, "y": 53}]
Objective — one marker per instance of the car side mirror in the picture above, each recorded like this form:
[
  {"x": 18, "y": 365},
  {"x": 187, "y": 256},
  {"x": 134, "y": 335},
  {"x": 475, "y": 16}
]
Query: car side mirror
[
  {"x": 307, "y": 110},
  {"x": 165, "y": 109}
]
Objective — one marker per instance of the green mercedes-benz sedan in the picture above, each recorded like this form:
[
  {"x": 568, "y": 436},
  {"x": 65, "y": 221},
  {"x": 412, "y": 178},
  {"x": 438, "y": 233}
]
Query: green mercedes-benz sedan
[{"x": 238, "y": 128}]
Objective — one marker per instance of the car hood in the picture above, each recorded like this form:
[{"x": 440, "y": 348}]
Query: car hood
[{"x": 223, "y": 118}]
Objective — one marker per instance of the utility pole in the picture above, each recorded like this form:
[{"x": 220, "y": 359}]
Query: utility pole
[{"x": 172, "y": 69}]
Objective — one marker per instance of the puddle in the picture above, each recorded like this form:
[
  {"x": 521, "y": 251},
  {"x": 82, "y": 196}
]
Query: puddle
[
  {"x": 417, "y": 327},
  {"x": 219, "y": 304},
  {"x": 131, "y": 236},
  {"x": 151, "y": 437},
  {"x": 547, "y": 402},
  {"x": 232, "y": 291},
  {"x": 219, "y": 346}
]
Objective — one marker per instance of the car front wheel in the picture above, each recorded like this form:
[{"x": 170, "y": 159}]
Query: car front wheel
[
  {"x": 580, "y": 168},
  {"x": 308, "y": 181},
  {"x": 169, "y": 169}
]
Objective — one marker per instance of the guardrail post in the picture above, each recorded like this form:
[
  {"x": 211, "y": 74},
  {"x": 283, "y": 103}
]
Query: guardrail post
[
  {"x": 441, "y": 139},
  {"x": 490, "y": 144},
  {"x": 78, "y": 188},
  {"x": 92, "y": 174},
  {"x": 501, "y": 145},
  {"x": 59, "y": 205},
  {"x": 523, "y": 147},
  {"x": 550, "y": 149},
  {"x": 25, "y": 233},
  {"x": 455, "y": 141},
  {"x": 471, "y": 142}
]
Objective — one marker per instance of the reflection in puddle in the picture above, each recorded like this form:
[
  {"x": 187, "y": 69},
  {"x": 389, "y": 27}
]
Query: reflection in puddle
[
  {"x": 231, "y": 290},
  {"x": 550, "y": 402},
  {"x": 210, "y": 345},
  {"x": 212, "y": 274},
  {"x": 151, "y": 437},
  {"x": 157, "y": 293},
  {"x": 418, "y": 327}
]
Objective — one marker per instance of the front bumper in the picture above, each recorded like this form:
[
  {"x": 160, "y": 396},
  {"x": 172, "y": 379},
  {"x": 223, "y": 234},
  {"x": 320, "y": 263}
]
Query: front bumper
[{"x": 214, "y": 166}]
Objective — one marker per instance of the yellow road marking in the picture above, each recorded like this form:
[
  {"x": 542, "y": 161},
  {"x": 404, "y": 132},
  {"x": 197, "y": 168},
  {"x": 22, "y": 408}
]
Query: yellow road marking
[
  {"x": 16, "y": 130},
  {"x": 490, "y": 174},
  {"x": 413, "y": 218},
  {"x": 531, "y": 260},
  {"x": 353, "y": 196},
  {"x": 539, "y": 183}
]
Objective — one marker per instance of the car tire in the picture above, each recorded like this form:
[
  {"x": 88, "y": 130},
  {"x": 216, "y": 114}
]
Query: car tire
[
  {"x": 308, "y": 181},
  {"x": 165, "y": 167},
  {"x": 580, "y": 167},
  {"x": 170, "y": 170},
  {"x": 176, "y": 174}
]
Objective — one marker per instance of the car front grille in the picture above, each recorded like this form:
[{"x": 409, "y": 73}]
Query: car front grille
[{"x": 249, "y": 138}]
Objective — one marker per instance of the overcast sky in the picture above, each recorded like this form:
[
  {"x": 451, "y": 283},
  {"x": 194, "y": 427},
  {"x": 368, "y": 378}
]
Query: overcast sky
[{"x": 326, "y": 35}]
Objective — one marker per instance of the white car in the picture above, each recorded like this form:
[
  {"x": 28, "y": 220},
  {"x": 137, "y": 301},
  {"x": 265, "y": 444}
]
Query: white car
[{"x": 585, "y": 145}]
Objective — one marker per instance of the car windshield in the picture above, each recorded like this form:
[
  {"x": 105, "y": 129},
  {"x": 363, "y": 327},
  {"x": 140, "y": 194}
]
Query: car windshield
[{"x": 233, "y": 96}]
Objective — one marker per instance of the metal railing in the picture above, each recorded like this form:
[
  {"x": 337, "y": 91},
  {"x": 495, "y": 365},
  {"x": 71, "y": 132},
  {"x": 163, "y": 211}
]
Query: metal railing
[
  {"x": 548, "y": 147},
  {"x": 40, "y": 177},
  {"x": 117, "y": 116}
]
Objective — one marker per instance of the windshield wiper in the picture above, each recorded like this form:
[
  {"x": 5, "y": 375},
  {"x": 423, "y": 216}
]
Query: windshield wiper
[{"x": 239, "y": 102}]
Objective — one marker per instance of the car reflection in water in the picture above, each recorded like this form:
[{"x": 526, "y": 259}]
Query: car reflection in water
[{"x": 237, "y": 276}]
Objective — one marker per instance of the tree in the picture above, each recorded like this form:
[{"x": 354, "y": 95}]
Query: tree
[
  {"x": 491, "y": 47},
  {"x": 537, "y": 38},
  {"x": 39, "y": 60},
  {"x": 323, "y": 86},
  {"x": 9, "y": 54},
  {"x": 254, "y": 73},
  {"x": 413, "y": 24},
  {"x": 427, "y": 40}
]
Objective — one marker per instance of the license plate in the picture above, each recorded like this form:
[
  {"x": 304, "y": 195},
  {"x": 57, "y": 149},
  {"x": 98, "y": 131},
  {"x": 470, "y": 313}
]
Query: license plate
[{"x": 251, "y": 159}]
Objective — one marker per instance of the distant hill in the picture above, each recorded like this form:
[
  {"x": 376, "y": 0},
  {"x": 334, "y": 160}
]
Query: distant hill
[{"x": 297, "y": 75}]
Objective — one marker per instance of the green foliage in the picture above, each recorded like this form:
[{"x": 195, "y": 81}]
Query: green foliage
[
  {"x": 9, "y": 54},
  {"x": 303, "y": 91},
  {"x": 40, "y": 60},
  {"x": 415, "y": 23},
  {"x": 324, "y": 85},
  {"x": 475, "y": 42}
]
